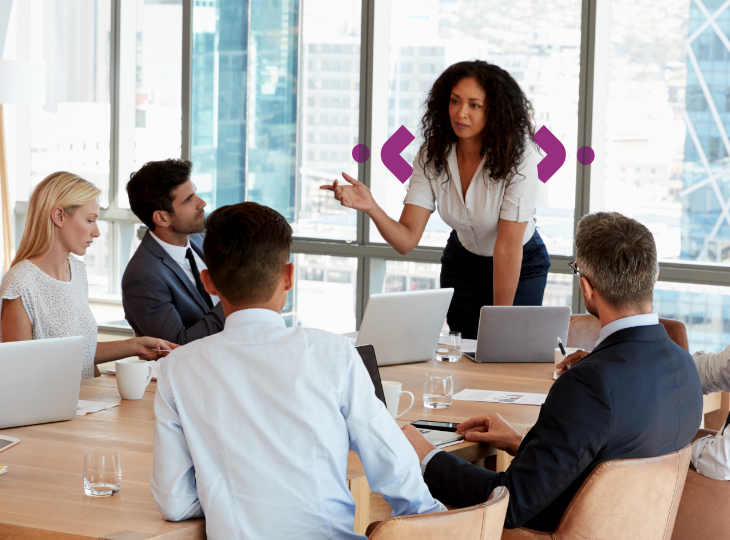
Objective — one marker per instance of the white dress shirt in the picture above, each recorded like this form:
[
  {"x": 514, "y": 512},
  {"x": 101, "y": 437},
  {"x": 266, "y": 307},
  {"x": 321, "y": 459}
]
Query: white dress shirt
[
  {"x": 253, "y": 427},
  {"x": 178, "y": 255},
  {"x": 711, "y": 455},
  {"x": 645, "y": 319},
  {"x": 476, "y": 218}
]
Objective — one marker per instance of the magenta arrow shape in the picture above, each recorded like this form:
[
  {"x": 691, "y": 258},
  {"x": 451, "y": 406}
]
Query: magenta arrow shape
[
  {"x": 390, "y": 154},
  {"x": 554, "y": 154}
]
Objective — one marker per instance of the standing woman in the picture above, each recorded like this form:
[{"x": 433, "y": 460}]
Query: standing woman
[
  {"x": 45, "y": 293},
  {"x": 478, "y": 167}
]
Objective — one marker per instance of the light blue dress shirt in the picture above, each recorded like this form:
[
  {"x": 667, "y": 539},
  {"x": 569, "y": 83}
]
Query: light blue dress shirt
[
  {"x": 253, "y": 426},
  {"x": 645, "y": 319}
]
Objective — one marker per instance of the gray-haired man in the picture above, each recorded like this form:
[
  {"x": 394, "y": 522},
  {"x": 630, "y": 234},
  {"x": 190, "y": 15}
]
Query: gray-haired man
[{"x": 636, "y": 395}]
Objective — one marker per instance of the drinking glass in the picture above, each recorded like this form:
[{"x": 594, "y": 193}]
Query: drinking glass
[
  {"x": 437, "y": 391},
  {"x": 449, "y": 347},
  {"x": 102, "y": 473}
]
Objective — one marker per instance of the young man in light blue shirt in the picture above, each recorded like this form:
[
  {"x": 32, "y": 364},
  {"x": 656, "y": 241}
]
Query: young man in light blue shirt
[{"x": 253, "y": 425}]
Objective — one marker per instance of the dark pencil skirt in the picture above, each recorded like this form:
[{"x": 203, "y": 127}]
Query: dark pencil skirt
[{"x": 471, "y": 276}]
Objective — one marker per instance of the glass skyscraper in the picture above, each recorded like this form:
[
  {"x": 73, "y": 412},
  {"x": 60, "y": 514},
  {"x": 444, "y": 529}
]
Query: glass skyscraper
[
  {"x": 706, "y": 175},
  {"x": 705, "y": 222}
]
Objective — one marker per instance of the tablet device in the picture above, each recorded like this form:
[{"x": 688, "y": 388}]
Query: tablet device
[{"x": 7, "y": 442}]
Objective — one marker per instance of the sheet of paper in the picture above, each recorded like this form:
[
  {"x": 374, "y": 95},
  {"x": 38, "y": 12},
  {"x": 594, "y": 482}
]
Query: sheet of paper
[
  {"x": 468, "y": 345},
  {"x": 518, "y": 398},
  {"x": 86, "y": 407},
  {"x": 155, "y": 369}
]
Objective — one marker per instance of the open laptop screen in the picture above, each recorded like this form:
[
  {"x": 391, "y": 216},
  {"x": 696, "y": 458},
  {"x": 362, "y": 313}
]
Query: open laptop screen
[{"x": 367, "y": 353}]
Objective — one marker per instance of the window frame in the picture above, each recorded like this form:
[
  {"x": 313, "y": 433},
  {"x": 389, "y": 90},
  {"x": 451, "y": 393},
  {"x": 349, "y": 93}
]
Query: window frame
[{"x": 593, "y": 91}]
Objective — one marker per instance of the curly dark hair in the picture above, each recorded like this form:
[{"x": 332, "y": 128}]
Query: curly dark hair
[{"x": 509, "y": 119}]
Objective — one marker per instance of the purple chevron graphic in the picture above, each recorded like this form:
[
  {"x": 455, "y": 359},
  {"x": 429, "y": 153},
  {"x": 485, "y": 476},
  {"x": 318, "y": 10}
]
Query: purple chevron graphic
[
  {"x": 390, "y": 154},
  {"x": 554, "y": 154}
]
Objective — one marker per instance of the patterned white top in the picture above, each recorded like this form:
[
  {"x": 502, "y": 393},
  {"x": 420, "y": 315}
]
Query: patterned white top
[{"x": 55, "y": 308}]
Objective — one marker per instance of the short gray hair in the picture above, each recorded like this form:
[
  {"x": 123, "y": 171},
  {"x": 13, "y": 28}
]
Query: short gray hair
[{"x": 618, "y": 256}]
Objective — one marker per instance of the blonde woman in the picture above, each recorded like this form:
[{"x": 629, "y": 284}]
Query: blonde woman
[{"x": 45, "y": 293}]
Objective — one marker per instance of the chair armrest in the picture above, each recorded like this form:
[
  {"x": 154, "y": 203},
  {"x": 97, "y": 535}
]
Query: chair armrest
[
  {"x": 704, "y": 433},
  {"x": 525, "y": 534}
]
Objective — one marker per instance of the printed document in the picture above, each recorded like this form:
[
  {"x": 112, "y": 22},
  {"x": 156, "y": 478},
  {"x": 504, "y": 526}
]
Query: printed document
[
  {"x": 86, "y": 407},
  {"x": 518, "y": 398}
]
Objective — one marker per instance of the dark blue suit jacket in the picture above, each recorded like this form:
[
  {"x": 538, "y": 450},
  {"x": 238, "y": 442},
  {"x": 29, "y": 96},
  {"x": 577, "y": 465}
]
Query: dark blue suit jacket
[
  {"x": 636, "y": 395},
  {"x": 160, "y": 300}
]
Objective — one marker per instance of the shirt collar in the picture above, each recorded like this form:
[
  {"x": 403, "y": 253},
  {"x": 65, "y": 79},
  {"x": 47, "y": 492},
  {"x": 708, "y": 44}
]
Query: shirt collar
[
  {"x": 253, "y": 316},
  {"x": 645, "y": 319},
  {"x": 176, "y": 252}
]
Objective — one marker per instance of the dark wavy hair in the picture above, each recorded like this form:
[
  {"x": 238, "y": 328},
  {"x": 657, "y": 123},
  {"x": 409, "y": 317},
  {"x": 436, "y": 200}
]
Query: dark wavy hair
[{"x": 509, "y": 119}]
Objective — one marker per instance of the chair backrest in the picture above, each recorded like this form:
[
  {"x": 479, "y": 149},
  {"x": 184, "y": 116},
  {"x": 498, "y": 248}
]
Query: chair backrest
[
  {"x": 677, "y": 332},
  {"x": 584, "y": 329},
  {"x": 628, "y": 498},
  {"x": 703, "y": 509},
  {"x": 481, "y": 522}
]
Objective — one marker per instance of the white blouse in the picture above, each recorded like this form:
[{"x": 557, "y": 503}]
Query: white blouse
[
  {"x": 55, "y": 308},
  {"x": 476, "y": 218}
]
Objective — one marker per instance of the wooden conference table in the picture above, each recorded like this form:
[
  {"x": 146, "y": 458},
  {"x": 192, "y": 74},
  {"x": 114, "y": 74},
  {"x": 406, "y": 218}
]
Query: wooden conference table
[{"x": 41, "y": 495}]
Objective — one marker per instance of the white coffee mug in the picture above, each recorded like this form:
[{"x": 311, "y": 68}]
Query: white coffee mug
[
  {"x": 392, "y": 391},
  {"x": 133, "y": 376},
  {"x": 559, "y": 354}
]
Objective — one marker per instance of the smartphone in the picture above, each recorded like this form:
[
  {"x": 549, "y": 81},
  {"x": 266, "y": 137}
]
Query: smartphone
[
  {"x": 437, "y": 426},
  {"x": 7, "y": 442},
  {"x": 471, "y": 355}
]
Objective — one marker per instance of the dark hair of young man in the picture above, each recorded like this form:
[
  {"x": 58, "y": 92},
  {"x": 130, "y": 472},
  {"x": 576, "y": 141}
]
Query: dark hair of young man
[
  {"x": 150, "y": 188},
  {"x": 246, "y": 248}
]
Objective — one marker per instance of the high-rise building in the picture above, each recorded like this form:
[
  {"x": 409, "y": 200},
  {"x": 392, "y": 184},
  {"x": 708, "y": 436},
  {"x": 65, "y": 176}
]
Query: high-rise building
[{"x": 706, "y": 176}]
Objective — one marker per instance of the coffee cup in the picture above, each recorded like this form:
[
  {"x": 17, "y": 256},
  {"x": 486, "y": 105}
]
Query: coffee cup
[
  {"x": 392, "y": 391},
  {"x": 133, "y": 376},
  {"x": 559, "y": 357},
  {"x": 559, "y": 354}
]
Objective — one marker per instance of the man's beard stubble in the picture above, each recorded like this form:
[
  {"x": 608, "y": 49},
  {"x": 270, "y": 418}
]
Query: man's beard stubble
[{"x": 188, "y": 227}]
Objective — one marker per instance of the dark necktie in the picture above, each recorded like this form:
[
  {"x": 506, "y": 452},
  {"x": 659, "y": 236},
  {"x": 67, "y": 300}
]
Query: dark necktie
[
  {"x": 196, "y": 275},
  {"x": 726, "y": 423}
]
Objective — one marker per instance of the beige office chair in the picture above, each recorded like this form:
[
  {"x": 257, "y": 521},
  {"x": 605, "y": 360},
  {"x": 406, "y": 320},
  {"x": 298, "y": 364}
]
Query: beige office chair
[
  {"x": 624, "y": 498},
  {"x": 703, "y": 510},
  {"x": 583, "y": 331},
  {"x": 481, "y": 522}
]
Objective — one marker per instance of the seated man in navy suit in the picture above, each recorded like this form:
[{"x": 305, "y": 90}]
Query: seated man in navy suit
[
  {"x": 162, "y": 293},
  {"x": 637, "y": 395}
]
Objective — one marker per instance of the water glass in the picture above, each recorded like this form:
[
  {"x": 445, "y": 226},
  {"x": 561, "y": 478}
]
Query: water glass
[
  {"x": 102, "y": 473},
  {"x": 437, "y": 391},
  {"x": 449, "y": 347}
]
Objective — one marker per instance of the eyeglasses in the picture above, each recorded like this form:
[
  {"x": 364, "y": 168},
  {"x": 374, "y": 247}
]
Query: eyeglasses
[
  {"x": 574, "y": 269},
  {"x": 576, "y": 272}
]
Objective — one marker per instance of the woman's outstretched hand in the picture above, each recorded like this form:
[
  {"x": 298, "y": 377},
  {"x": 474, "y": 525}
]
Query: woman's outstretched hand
[
  {"x": 149, "y": 348},
  {"x": 356, "y": 196}
]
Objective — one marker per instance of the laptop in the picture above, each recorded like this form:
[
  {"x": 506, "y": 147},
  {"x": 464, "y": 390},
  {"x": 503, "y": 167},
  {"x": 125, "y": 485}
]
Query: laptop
[
  {"x": 436, "y": 438},
  {"x": 520, "y": 333},
  {"x": 404, "y": 327},
  {"x": 40, "y": 380}
]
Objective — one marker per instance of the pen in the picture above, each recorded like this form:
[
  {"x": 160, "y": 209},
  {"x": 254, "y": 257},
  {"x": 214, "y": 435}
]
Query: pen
[{"x": 562, "y": 349}]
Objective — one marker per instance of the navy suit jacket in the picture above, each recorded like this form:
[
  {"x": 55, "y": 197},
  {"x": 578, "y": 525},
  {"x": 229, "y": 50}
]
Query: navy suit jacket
[
  {"x": 160, "y": 300},
  {"x": 636, "y": 395}
]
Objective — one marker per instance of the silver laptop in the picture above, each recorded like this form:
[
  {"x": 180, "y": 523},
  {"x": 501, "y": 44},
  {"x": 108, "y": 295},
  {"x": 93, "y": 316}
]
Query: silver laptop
[
  {"x": 40, "y": 380},
  {"x": 520, "y": 333},
  {"x": 404, "y": 327}
]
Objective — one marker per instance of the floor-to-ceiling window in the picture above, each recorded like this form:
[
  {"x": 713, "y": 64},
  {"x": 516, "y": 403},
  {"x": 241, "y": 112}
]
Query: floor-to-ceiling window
[{"x": 268, "y": 100}]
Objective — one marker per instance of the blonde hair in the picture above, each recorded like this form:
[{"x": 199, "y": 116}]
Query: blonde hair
[{"x": 58, "y": 190}]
